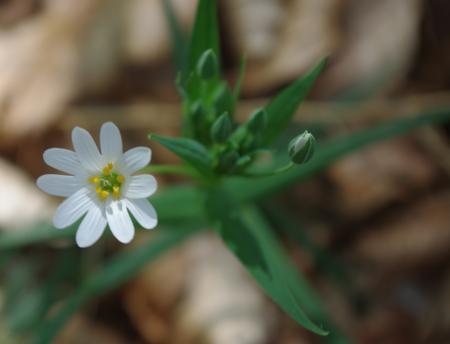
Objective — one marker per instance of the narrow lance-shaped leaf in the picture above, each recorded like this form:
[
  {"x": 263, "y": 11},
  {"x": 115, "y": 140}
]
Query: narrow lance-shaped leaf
[
  {"x": 163, "y": 201},
  {"x": 205, "y": 34},
  {"x": 188, "y": 150},
  {"x": 240, "y": 79},
  {"x": 330, "y": 151},
  {"x": 120, "y": 269},
  {"x": 283, "y": 107},
  {"x": 176, "y": 33},
  {"x": 299, "y": 288},
  {"x": 259, "y": 252}
]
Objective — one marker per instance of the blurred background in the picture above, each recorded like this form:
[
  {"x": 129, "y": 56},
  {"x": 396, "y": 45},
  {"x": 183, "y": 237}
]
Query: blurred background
[{"x": 372, "y": 232}]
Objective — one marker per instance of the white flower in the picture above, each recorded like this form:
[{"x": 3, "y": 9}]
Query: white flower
[{"x": 100, "y": 185}]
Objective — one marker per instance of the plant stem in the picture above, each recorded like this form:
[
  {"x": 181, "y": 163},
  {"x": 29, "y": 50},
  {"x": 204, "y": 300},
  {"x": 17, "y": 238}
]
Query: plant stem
[{"x": 279, "y": 170}]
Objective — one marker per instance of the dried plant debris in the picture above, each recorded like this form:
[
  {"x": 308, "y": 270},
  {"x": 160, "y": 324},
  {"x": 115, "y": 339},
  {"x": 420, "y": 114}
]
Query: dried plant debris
[
  {"x": 74, "y": 47},
  {"x": 281, "y": 40},
  {"x": 380, "y": 175},
  {"x": 234, "y": 310},
  {"x": 19, "y": 190},
  {"x": 84, "y": 330},
  {"x": 412, "y": 239},
  {"x": 150, "y": 298},
  {"x": 380, "y": 42}
]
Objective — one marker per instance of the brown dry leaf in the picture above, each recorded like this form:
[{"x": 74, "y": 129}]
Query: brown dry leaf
[
  {"x": 150, "y": 298},
  {"x": 379, "y": 175},
  {"x": 73, "y": 47},
  {"x": 146, "y": 34},
  {"x": 221, "y": 304},
  {"x": 253, "y": 26},
  {"x": 414, "y": 238},
  {"x": 38, "y": 65},
  {"x": 289, "y": 42},
  {"x": 380, "y": 40},
  {"x": 19, "y": 195},
  {"x": 436, "y": 322},
  {"x": 82, "y": 330},
  {"x": 386, "y": 325}
]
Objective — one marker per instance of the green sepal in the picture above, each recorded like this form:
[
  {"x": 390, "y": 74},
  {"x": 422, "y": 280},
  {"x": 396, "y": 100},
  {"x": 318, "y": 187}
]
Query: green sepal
[
  {"x": 207, "y": 66},
  {"x": 221, "y": 128},
  {"x": 301, "y": 148}
]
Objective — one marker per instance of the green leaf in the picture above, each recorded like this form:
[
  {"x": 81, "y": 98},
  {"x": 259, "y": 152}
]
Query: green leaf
[
  {"x": 115, "y": 273},
  {"x": 300, "y": 287},
  {"x": 240, "y": 79},
  {"x": 176, "y": 34},
  {"x": 188, "y": 150},
  {"x": 35, "y": 296},
  {"x": 263, "y": 257},
  {"x": 281, "y": 109},
  {"x": 163, "y": 201},
  {"x": 205, "y": 34},
  {"x": 326, "y": 263},
  {"x": 331, "y": 151}
]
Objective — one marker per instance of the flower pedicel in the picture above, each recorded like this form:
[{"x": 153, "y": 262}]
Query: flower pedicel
[{"x": 100, "y": 185}]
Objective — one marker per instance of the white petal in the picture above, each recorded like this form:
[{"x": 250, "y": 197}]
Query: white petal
[
  {"x": 119, "y": 221},
  {"x": 87, "y": 150},
  {"x": 91, "y": 228},
  {"x": 58, "y": 185},
  {"x": 62, "y": 159},
  {"x": 134, "y": 159},
  {"x": 72, "y": 208},
  {"x": 143, "y": 212},
  {"x": 110, "y": 141},
  {"x": 141, "y": 186}
]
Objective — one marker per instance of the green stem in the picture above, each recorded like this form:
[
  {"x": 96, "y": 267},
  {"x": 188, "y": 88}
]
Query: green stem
[{"x": 279, "y": 170}]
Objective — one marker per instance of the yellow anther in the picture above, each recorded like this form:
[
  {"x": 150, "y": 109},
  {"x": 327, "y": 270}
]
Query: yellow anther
[
  {"x": 116, "y": 192},
  {"x": 94, "y": 180},
  {"x": 103, "y": 195},
  {"x": 120, "y": 179},
  {"x": 98, "y": 189},
  {"x": 107, "y": 169}
]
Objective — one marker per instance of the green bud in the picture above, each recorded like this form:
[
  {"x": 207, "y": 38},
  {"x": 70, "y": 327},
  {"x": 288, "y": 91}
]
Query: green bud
[
  {"x": 207, "y": 65},
  {"x": 196, "y": 112},
  {"x": 228, "y": 161},
  {"x": 223, "y": 99},
  {"x": 221, "y": 128},
  {"x": 243, "y": 161},
  {"x": 301, "y": 148},
  {"x": 257, "y": 121}
]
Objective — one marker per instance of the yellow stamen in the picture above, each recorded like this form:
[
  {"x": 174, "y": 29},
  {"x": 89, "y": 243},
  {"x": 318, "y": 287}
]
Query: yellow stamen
[
  {"x": 98, "y": 189},
  {"x": 103, "y": 195},
  {"x": 107, "y": 169},
  {"x": 116, "y": 192},
  {"x": 94, "y": 180},
  {"x": 120, "y": 179}
]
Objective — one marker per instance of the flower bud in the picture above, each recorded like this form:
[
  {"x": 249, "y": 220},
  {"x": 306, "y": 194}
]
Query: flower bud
[
  {"x": 223, "y": 99},
  {"x": 257, "y": 121},
  {"x": 228, "y": 161},
  {"x": 207, "y": 65},
  {"x": 243, "y": 161},
  {"x": 196, "y": 112},
  {"x": 301, "y": 148},
  {"x": 221, "y": 128}
]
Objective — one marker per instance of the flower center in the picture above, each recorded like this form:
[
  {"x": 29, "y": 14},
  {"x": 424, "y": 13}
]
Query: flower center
[{"x": 107, "y": 183}]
